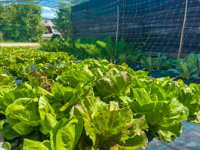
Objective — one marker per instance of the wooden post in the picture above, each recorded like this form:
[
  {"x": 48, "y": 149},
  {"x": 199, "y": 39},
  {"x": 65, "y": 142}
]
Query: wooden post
[
  {"x": 117, "y": 31},
  {"x": 183, "y": 31},
  {"x": 123, "y": 17}
]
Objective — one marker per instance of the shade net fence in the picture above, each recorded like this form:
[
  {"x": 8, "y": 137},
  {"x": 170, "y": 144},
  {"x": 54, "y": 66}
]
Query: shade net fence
[{"x": 155, "y": 24}]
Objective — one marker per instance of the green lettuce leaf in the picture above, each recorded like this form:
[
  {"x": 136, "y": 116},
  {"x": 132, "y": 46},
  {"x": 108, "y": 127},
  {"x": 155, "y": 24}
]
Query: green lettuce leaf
[
  {"x": 108, "y": 88},
  {"x": 66, "y": 134},
  {"x": 109, "y": 126},
  {"x": 23, "y": 115},
  {"x": 162, "y": 115},
  {"x": 48, "y": 118},
  {"x": 34, "y": 145}
]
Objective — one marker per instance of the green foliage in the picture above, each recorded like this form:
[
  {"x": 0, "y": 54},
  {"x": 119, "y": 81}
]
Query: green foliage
[
  {"x": 6, "y": 79},
  {"x": 36, "y": 145},
  {"x": 55, "y": 36},
  {"x": 1, "y": 36},
  {"x": 162, "y": 113},
  {"x": 66, "y": 134},
  {"x": 188, "y": 96},
  {"x": 194, "y": 60},
  {"x": 107, "y": 48},
  {"x": 150, "y": 63},
  {"x": 56, "y": 45},
  {"x": 111, "y": 127},
  {"x": 63, "y": 20},
  {"x": 121, "y": 45},
  {"x": 123, "y": 58},
  {"x": 21, "y": 22},
  {"x": 147, "y": 64},
  {"x": 87, "y": 48},
  {"x": 90, "y": 104},
  {"x": 159, "y": 61},
  {"x": 186, "y": 69},
  {"x": 135, "y": 55},
  {"x": 7, "y": 146}
]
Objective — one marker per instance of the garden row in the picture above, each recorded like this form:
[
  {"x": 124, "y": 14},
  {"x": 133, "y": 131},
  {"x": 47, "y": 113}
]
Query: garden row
[
  {"x": 88, "y": 105},
  {"x": 186, "y": 68}
]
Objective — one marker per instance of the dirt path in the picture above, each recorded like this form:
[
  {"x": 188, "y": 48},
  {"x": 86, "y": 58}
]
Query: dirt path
[{"x": 19, "y": 44}]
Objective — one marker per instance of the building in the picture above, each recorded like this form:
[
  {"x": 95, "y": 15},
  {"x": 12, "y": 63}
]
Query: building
[{"x": 51, "y": 30}]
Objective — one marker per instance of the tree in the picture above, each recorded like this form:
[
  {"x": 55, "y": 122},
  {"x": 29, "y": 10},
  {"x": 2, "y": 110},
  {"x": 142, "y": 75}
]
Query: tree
[
  {"x": 63, "y": 20},
  {"x": 21, "y": 22}
]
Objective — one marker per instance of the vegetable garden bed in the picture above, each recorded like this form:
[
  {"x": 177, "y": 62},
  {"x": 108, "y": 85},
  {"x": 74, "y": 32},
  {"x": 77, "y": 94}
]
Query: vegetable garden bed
[{"x": 92, "y": 105}]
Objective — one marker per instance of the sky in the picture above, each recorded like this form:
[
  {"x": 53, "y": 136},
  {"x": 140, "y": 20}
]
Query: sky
[{"x": 48, "y": 12}]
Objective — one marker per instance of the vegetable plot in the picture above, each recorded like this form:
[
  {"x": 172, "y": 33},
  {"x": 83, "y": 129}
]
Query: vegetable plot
[{"x": 92, "y": 105}]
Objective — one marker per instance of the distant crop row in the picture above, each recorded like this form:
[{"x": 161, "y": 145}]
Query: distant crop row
[{"x": 122, "y": 52}]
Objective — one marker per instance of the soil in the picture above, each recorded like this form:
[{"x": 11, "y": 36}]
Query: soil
[{"x": 19, "y": 44}]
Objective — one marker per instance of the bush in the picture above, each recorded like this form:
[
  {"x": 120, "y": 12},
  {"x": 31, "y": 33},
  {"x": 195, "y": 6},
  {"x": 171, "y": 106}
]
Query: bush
[
  {"x": 1, "y": 36},
  {"x": 56, "y": 45},
  {"x": 55, "y": 36}
]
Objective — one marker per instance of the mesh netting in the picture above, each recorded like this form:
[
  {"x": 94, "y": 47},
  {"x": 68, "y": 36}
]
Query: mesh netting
[{"x": 155, "y": 23}]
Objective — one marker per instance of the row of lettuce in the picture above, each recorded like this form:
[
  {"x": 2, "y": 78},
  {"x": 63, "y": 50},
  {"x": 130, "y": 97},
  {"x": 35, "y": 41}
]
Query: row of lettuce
[
  {"x": 88, "y": 105},
  {"x": 122, "y": 52}
]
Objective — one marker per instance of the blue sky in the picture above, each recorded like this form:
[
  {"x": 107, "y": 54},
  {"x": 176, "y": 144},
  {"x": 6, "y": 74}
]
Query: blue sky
[{"x": 48, "y": 12}]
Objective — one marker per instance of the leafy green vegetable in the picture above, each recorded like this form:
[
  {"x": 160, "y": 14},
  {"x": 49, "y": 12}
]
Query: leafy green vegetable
[
  {"x": 161, "y": 113},
  {"x": 47, "y": 116},
  {"x": 5, "y": 79},
  {"x": 66, "y": 134},
  {"x": 7, "y": 146},
  {"x": 91, "y": 104},
  {"x": 111, "y": 127},
  {"x": 34, "y": 145},
  {"x": 189, "y": 97},
  {"x": 23, "y": 115},
  {"x": 113, "y": 85}
]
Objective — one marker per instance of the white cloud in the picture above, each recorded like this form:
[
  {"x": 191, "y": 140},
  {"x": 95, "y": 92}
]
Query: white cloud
[
  {"x": 48, "y": 15},
  {"x": 48, "y": 12},
  {"x": 49, "y": 8},
  {"x": 46, "y": 8}
]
